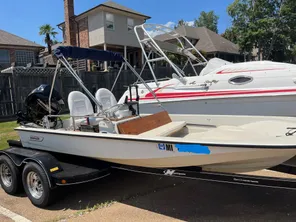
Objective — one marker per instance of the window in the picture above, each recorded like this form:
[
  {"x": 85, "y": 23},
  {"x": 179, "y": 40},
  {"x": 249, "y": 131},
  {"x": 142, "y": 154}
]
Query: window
[
  {"x": 240, "y": 80},
  {"x": 110, "y": 21},
  {"x": 130, "y": 24},
  {"x": 4, "y": 56},
  {"x": 23, "y": 57}
]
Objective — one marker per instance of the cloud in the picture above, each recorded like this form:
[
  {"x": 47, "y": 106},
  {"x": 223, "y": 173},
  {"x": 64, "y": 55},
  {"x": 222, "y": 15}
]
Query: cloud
[
  {"x": 169, "y": 24},
  {"x": 154, "y": 33},
  {"x": 190, "y": 23}
]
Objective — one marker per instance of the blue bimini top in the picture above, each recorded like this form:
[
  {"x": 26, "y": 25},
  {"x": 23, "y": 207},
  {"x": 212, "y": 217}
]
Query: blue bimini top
[{"x": 85, "y": 53}]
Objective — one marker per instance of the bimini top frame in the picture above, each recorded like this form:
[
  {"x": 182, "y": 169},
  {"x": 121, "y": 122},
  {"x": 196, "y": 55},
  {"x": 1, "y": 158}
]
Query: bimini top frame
[
  {"x": 167, "y": 41},
  {"x": 64, "y": 52}
]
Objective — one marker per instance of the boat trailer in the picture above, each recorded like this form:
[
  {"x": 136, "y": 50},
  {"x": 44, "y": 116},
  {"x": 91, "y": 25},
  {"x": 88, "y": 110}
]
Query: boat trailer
[{"x": 196, "y": 173}]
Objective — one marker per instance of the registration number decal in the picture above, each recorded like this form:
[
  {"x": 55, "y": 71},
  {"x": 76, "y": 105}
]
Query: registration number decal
[{"x": 166, "y": 146}]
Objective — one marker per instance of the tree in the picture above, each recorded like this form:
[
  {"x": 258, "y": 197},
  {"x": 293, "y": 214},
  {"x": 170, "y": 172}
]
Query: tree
[
  {"x": 49, "y": 33},
  {"x": 55, "y": 42},
  {"x": 266, "y": 25},
  {"x": 288, "y": 19},
  {"x": 293, "y": 51},
  {"x": 208, "y": 20},
  {"x": 180, "y": 23},
  {"x": 230, "y": 35}
]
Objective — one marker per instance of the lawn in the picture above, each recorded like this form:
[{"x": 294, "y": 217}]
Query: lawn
[{"x": 7, "y": 133}]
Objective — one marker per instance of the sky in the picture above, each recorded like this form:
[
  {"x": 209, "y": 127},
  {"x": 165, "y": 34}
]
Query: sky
[{"x": 24, "y": 17}]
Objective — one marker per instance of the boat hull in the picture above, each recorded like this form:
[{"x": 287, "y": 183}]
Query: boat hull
[
  {"x": 155, "y": 153},
  {"x": 274, "y": 105}
]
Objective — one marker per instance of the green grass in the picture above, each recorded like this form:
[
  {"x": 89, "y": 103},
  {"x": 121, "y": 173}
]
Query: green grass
[
  {"x": 66, "y": 116},
  {"x": 95, "y": 207},
  {"x": 7, "y": 133}
]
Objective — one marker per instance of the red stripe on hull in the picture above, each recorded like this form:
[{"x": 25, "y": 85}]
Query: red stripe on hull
[
  {"x": 175, "y": 95},
  {"x": 255, "y": 70},
  {"x": 150, "y": 94}
]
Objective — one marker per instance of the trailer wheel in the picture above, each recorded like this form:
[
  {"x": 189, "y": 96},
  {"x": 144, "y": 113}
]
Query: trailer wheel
[
  {"x": 9, "y": 176},
  {"x": 36, "y": 185}
]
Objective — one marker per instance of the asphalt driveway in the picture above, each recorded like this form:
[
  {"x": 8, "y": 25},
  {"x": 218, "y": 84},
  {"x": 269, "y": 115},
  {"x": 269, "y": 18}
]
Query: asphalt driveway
[{"x": 126, "y": 196}]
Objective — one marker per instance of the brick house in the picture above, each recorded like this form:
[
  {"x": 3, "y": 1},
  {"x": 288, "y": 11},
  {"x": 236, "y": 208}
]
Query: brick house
[
  {"x": 14, "y": 49},
  {"x": 108, "y": 26}
]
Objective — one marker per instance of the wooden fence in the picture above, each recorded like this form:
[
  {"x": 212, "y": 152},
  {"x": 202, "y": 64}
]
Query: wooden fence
[
  {"x": 17, "y": 83},
  {"x": 7, "y": 107}
]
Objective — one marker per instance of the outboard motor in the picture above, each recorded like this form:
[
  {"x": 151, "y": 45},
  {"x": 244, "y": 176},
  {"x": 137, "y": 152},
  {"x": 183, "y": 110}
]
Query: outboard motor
[{"x": 37, "y": 106}]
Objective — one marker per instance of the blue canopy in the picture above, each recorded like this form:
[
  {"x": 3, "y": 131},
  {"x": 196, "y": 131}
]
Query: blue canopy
[{"x": 85, "y": 53}]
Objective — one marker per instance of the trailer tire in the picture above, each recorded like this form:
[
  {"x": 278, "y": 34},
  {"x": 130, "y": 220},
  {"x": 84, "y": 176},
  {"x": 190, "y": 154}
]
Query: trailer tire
[
  {"x": 10, "y": 179},
  {"x": 37, "y": 186}
]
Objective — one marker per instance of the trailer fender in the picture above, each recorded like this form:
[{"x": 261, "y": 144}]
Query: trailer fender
[{"x": 20, "y": 156}]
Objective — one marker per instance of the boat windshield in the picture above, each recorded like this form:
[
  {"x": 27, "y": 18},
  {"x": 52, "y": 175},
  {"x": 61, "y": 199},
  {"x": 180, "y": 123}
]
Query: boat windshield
[{"x": 213, "y": 64}]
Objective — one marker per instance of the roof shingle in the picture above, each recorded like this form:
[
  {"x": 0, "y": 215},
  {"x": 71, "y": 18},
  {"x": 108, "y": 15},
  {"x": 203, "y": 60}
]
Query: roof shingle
[
  {"x": 7, "y": 38},
  {"x": 122, "y": 8},
  {"x": 209, "y": 41}
]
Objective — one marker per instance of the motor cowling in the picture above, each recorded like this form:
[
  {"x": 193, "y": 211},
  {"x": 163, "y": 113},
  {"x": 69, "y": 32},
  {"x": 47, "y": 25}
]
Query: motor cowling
[{"x": 37, "y": 105}]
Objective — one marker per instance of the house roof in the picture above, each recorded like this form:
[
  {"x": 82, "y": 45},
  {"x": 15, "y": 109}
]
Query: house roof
[
  {"x": 53, "y": 47},
  {"x": 209, "y": 41},
  {"x": 113, "y": 5},
  {"x": 7, "y": 38}
]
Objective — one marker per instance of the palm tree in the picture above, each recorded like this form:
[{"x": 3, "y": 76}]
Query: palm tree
[
  {"x": 48, "y": 32},
  {"x": 55, "y": 42}
]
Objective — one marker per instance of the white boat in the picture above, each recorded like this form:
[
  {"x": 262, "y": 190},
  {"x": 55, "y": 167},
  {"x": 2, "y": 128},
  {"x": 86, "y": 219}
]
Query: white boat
[
  {"x": 222, "y": 88},
  {"x": 117, "y": 133},
  {"x": 224, "y": 148}
]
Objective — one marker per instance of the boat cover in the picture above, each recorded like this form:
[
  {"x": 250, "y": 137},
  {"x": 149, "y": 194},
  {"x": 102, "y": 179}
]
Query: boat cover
[{"x": 86, "y": 53}]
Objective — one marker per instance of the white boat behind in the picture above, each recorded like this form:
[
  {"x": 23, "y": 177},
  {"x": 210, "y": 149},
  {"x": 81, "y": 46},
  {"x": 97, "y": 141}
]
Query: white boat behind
[
  {"x": 221, "y": 88},
  {"x": 118, "y": 133}
]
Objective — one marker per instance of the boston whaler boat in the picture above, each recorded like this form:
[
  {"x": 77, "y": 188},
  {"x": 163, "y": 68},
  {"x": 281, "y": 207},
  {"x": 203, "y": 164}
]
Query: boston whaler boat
[
  {"x": 53, "y": 152},
  {"x": 222, "y": 88},
  {"x": 119, "y": 134}
]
